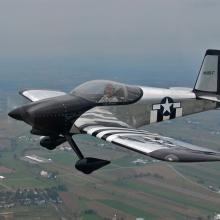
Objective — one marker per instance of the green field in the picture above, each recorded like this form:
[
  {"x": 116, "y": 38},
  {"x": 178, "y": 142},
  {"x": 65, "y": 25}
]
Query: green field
[
  {"x": 129, "y": 209},
  {"x": 152, "y": 191}
]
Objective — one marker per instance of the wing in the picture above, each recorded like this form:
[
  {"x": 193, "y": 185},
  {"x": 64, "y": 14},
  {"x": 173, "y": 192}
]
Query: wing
[
  {"x": 36, "y": 95},
  {"x": 104, "y": 125}
]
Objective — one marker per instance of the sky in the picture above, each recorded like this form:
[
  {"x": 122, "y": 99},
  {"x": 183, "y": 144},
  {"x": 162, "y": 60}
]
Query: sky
[{"x": 118, "y": 35}]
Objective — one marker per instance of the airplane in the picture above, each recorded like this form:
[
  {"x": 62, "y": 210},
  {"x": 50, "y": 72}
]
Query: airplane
[{"x": 114, "y": 111}]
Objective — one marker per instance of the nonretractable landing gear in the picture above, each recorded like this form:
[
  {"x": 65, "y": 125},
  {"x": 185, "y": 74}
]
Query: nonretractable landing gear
[
  {"x": 51, "y": 142},
  {"x": 88, "y": 165},
  {"x": 74, "y": 147},
  {"x": 85, "y": 164}
]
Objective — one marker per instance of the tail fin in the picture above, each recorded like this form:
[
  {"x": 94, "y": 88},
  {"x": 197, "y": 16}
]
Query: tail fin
[{"x": 208, "y": 80}]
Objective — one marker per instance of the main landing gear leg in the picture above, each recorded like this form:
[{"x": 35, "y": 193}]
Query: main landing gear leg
[
  {"x": 74, "y": 146},
  {"x": 85, "y": 164}
]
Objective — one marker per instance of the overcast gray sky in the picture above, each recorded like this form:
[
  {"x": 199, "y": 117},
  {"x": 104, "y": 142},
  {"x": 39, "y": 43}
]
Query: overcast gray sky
[{"x": 108, "y": 27}]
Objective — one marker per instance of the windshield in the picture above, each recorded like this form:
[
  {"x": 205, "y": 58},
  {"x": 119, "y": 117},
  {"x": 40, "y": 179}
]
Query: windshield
[{"x": 104, "y": 91}]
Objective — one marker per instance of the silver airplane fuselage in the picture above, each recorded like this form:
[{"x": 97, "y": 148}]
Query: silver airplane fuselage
[
  {"x": 158, "y": 105},
  {"x": 58, "y": 115}
]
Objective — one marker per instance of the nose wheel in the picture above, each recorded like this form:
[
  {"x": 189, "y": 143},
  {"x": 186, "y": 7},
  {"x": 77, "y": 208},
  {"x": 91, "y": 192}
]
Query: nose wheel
[{"x": 85, "y": 164}]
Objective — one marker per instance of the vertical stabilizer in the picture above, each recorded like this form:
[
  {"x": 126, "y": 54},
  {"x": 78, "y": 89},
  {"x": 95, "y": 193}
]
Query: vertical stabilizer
[{"x": 209, "y": 75}]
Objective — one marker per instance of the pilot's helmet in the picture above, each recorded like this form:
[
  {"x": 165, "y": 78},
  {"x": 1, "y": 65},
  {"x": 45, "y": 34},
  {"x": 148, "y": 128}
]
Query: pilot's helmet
[{"x": 109, "y": 90}]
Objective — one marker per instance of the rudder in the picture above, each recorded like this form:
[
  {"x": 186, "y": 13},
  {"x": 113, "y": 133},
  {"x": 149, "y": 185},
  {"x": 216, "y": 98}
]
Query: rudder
[{"x": 208, "y": 79}]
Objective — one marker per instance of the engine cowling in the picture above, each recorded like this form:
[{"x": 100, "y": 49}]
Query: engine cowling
[{"x": 52, "y": 142}]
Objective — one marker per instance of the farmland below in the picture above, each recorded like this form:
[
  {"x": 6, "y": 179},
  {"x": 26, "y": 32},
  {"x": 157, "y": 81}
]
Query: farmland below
[{"x": 124, "y": 189}]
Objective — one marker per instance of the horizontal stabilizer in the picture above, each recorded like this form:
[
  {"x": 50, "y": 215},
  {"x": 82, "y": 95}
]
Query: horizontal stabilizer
[{"x": 210, "y": 97}]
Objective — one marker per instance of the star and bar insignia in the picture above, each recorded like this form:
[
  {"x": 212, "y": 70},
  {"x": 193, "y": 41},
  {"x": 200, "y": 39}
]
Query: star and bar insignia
[{"x": 167, "y": 109}]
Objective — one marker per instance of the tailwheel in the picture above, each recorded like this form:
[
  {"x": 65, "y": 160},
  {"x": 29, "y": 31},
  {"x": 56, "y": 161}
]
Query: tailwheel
[{"x": 85, "y": 164}]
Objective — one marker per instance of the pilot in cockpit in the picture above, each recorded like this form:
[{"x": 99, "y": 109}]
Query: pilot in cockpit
[{"x": 109, "y": 94}]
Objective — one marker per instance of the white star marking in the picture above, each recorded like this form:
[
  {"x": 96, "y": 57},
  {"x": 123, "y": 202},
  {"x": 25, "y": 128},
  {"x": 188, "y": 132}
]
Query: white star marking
[{"x": 166, "y": 106}]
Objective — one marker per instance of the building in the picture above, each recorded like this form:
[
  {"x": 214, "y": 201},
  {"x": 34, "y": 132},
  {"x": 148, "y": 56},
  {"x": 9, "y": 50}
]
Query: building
[{"x": 216, "y": 217}]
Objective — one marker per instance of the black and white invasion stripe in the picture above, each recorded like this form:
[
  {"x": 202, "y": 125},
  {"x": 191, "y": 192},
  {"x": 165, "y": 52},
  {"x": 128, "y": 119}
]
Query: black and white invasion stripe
[{"x": 140, "y": 141}]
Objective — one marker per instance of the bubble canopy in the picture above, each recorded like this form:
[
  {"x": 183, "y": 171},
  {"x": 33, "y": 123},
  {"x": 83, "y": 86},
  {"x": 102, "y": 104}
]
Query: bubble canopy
[{"x": 108, "y": 92}]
